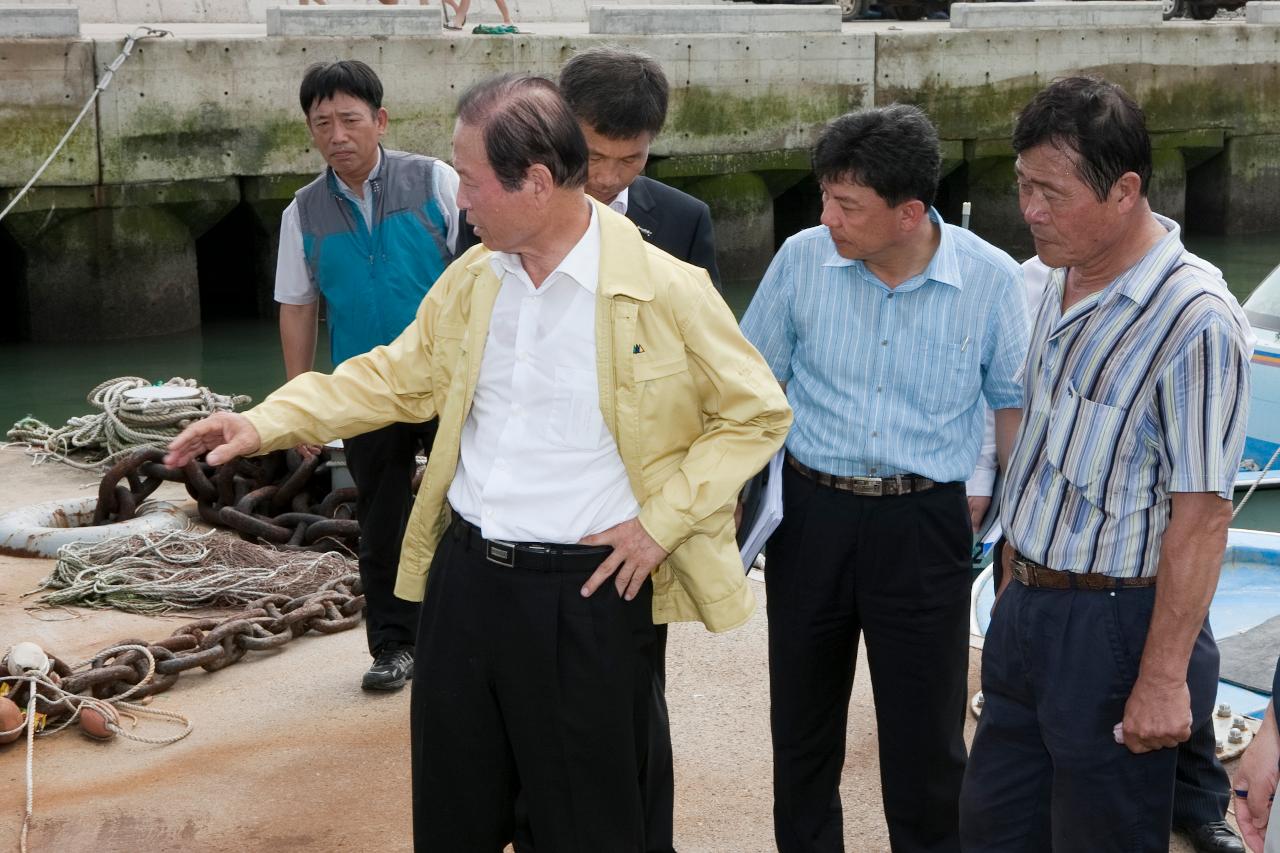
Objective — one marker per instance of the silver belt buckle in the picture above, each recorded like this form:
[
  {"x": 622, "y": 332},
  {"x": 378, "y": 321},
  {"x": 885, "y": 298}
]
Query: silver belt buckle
[
  {"x": 870, "y": 486},
  {"x": 502, "y": 553},
  {"x": 1020, "y": 571}
]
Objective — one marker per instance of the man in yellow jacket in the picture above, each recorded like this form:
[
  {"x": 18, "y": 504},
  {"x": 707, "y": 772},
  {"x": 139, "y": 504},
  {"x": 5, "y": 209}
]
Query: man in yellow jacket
[{"x": 599, "y": 411}]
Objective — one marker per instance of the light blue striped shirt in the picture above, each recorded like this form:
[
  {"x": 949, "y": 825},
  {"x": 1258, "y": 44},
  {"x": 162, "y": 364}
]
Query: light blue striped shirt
[
  {"x": 887, "y": 380},
  {"x": 1136, "y": 392}
]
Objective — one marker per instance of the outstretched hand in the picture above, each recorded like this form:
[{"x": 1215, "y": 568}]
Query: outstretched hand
[
  {"x": 223, "y": 435},
  {"x": 635, "y": 556}
]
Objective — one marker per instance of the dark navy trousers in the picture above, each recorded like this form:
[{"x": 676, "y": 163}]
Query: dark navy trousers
[
  {"x": 1201, "y": 788},
  {"x": 1045, "y": 772}
]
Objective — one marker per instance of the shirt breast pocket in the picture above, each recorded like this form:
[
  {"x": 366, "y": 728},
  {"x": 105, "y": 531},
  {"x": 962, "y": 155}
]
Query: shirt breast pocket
[
  {"x": 950, "y": 376},
  {"x": 576, "y": 421},
  {"x": 1086, "y": 444}
]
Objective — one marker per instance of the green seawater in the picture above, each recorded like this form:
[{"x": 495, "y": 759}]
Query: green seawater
[{"x": 50, "y": 381}]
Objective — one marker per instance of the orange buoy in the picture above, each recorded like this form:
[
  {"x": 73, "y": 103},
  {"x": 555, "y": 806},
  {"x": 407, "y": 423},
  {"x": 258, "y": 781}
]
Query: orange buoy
[
  {"x": 10, "y": 718},
  {"x": 98, "y": 721}
]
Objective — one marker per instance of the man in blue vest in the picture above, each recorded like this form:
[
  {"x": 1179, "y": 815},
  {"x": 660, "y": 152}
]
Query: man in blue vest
[{"x": 371, "y": 235}]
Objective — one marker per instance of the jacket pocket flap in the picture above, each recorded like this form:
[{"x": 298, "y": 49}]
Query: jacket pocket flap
[{"x": 646, "y": 369}]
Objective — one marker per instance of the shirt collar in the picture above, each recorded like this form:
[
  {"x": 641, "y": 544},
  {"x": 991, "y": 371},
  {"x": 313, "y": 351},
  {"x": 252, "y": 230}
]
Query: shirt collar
[
  {"x": 943, "y": 267},
  {"x": 1140, "y": 281},
  {"x": 373, "y": 176},
  {"x": 582, "y": 264}
]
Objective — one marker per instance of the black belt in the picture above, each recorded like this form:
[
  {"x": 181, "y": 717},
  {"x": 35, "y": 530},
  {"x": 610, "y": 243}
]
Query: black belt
[
  {"x": 534, "y": 556},
  {"x": 1033, "y": 574},
  {"x": 898, "y": 484}
]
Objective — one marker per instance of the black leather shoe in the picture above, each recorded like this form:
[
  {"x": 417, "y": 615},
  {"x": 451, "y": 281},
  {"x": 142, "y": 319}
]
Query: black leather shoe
[
  {"x": 1215, "y": 837},
  {"x": 390, "y": 670}
]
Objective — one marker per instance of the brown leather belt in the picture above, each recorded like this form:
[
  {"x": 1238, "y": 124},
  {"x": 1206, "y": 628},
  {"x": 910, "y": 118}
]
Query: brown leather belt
[
  {"x": 899, "y": 484},
  {"x": 1031, "y": 573}
]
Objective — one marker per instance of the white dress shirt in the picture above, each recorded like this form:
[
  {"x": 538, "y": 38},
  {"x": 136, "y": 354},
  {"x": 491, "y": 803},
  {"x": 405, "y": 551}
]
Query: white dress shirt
[
  {"x": 619, "y": 203},
  {"x": 537, "y": 462},
  {"x": 293, "y": 281}
]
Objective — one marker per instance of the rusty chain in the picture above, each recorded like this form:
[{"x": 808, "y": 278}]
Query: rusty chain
[
  {"x": 280, "y": 498},
  {"x": 211, "y": 644}
]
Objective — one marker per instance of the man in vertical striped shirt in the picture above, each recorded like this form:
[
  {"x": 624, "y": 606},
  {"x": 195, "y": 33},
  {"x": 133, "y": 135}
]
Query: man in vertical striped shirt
[
  {"x": 1137, "y": 388},
  {"x": 888, "y": 327}
]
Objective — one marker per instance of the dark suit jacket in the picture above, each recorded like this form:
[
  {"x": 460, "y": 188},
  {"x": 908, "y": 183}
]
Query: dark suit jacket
[{"x": 675, "y": 222}]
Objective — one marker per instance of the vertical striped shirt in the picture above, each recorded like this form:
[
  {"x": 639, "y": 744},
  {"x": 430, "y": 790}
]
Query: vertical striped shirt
[
  {"x": 887, "y": 380},
  {"x": 1138, "y": 391}
]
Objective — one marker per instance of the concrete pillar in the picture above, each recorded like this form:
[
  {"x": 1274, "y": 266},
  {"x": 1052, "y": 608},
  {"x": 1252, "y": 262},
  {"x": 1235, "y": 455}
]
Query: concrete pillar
[
  {"x": 106, "y": 263},
  {"x": 1237, "y": 192},
  {"x": 995, "y": 217},
  {"x": 267, "y": 197},
  {"x": 1167, "y": 191},
  {"x": 742, "y": 213}
]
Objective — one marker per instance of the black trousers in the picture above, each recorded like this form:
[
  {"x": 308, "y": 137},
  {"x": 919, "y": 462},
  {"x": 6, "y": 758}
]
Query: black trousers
[
  {"x": 522, "y": 684},
  {"x": 382, "y": 464},
  {"x": 896, "y": 571},
  {"x": 658, "y": 773},
  {"x": 1045, "y": 772}
]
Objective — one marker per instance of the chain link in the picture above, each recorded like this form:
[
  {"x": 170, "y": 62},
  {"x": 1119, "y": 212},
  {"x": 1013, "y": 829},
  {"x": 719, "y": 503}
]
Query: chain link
[
  {"x": 128, "y": 674},
  {"x": 279, "y": 498}
]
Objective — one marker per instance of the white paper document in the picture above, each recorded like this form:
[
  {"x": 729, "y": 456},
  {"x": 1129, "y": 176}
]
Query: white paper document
[{"x": 762, "y": 510}]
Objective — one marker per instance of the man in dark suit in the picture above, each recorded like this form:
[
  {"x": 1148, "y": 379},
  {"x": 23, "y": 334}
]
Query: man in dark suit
[{"x": 620, "y": 99}]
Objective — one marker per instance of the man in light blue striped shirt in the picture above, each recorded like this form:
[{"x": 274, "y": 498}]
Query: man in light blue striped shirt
[
  {"x": 888, "y": 328},
  {"x": 1137, "y": 398}
]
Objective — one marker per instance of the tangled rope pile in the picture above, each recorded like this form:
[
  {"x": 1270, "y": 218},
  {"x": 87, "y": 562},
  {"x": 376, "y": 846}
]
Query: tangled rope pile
[
  {"x": 122, "y": 425},
  {"x": 37, "y": 680},
  {"x": 178, "y": 570}
]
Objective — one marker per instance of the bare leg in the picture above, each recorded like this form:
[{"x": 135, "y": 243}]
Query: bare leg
[
  {"x": 502, "y": 7},
  {"x": 460, "y": 14}
]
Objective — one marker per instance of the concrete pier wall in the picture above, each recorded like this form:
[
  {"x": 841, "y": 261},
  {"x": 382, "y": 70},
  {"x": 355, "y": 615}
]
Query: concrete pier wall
[{"x": 191, "y": 128}]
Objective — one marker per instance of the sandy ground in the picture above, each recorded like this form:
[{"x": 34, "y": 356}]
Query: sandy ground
[{"x": 288, "y": 754}]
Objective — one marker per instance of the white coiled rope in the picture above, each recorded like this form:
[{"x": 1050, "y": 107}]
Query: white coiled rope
[{"x": 122, "y": 424}]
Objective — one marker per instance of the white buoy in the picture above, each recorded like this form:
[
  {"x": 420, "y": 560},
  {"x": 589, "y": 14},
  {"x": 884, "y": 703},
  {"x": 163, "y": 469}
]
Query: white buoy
[{"x": 28, "y": 657}]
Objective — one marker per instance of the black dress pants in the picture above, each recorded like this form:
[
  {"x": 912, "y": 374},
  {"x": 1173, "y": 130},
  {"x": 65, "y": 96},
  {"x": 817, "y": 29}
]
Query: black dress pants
[
  {"x": 657, "y": 771},
  {"x": 896, "y": 571},
  {"x": 522, "y": 684},
  {"x": 1046, "y": 773},
  {"x": 658, "y": 774},
  {"x": 382, "y": 464}
]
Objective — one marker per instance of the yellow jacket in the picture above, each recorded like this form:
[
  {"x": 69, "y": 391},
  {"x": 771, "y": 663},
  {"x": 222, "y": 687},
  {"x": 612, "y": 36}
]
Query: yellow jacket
[{"x": 695, "y": 412}]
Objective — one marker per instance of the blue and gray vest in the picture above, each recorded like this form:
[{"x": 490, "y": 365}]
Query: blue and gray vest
[{"x": 374, "y": 281}]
